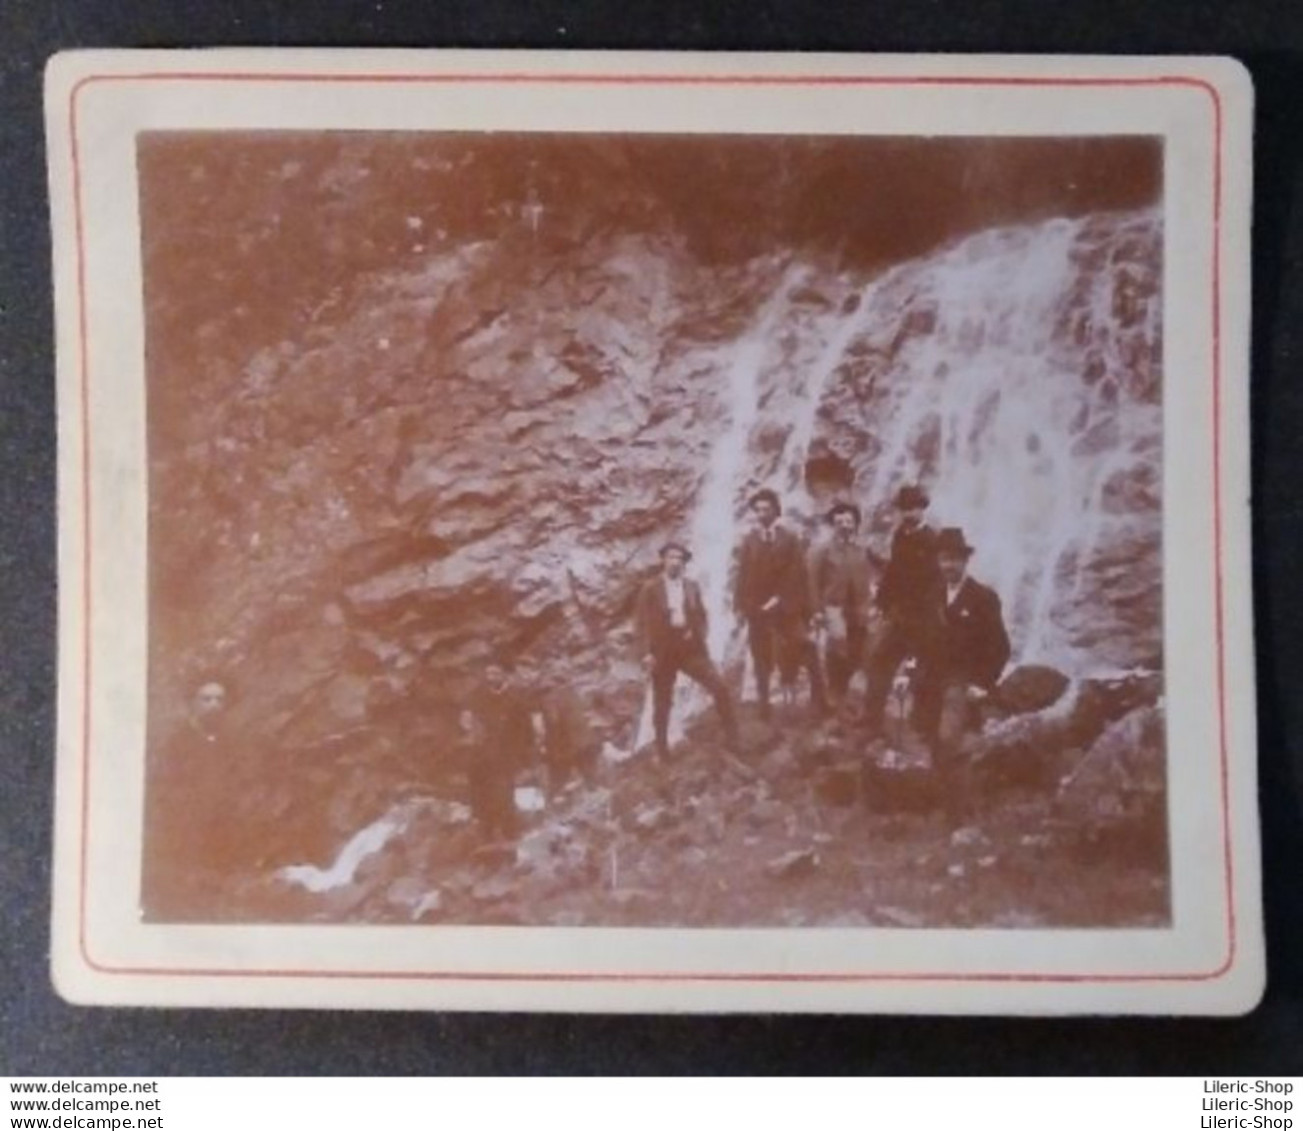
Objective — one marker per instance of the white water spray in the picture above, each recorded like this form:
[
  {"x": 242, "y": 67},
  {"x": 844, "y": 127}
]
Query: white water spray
[
  {"x": 1016, "y": 373},
  {"x": 357, "y": 849}
]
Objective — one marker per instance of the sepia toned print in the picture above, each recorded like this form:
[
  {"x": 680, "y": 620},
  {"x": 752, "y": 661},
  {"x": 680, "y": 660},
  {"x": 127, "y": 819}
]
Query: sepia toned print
[{"x": 654, "y": 530}]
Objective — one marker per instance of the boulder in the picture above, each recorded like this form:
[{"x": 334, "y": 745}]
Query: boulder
[
  {"x": 1028, "y": 749},
  {"x": 1030, "y": 687},
  {"x": 1123, "y": 773}
]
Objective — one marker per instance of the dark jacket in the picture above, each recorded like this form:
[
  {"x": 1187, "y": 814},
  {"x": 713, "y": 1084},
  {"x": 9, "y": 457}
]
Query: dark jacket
[
  {"x": 973, "y": 645},
  {"x": 772, "y": 569},
  {"x": 656, "y": 634},
  {"x": 911, "y": 592},
  {"x": 192, "y": 832},
  {"x": 568, "y": 737},
  {"x": 506, "y": 732}
]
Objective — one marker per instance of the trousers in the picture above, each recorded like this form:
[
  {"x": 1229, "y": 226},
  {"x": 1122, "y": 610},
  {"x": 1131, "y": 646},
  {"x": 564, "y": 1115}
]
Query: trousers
[
  {"x": 780, "y": 641},
  {"x": 493, "y": 799},
  {"x": 844, "y": 651},
  {"x": 896, "y": 643},
  {"x": 944, "y": 715},
  {"x": 690, "y": 657}
]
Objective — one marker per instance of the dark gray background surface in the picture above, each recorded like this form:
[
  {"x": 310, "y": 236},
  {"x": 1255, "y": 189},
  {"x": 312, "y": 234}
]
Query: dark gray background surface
[{"x": 41, "y": 1035}]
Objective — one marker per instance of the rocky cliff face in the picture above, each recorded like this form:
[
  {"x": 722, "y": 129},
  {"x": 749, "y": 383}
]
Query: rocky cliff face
[
  {"x": 476, "y": 458},
  {"x": 480, "y": 451},
  {"x": 483, "y": 452}
]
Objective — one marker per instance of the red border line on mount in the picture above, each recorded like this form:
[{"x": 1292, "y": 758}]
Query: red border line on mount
[{"x": 658, "y": 80}]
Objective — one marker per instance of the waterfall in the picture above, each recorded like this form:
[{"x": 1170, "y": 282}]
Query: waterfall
[
  {"x": 1024, "y": 392},
  {"x": 713, "y": 531},
  {"x": 1014, "y": 373}
]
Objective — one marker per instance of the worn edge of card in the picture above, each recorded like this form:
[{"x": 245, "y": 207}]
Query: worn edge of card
[{"x": 97, "y": 100}]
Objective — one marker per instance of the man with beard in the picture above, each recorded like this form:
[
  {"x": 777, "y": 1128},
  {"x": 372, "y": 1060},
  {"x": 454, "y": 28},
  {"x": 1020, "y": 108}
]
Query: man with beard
[
  {"x": 972, "y": 649},
  {"x": 839, "y": 586},
  {"x": 672, "y": 631},
  {"x": 908, "y": 601},
  {"x": 773, "y": 599}
]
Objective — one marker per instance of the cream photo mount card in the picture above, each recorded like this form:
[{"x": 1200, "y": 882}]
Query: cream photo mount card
[{"x": 654, "y": 532}]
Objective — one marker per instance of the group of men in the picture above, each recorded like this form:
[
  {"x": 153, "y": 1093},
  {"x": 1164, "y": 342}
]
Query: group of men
[
  {"x": 828, "y": 612},
  {"x": 919, "y": 606}
]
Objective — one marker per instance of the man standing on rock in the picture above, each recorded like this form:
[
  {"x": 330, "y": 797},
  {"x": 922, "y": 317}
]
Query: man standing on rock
[
  {"x": 672, "y": 624},
  {"x": 773, "y": 600},
  {"x": 909, "y": 601},
  {"x": 497, "y": 737},
  {"x": 839, "y": 586},
  {"x": 972, "y": 649}
]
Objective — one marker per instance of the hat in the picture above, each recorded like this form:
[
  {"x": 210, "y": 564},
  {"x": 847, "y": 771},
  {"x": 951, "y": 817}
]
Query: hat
[
  {"x": 844, "y": 508},
  {"x": 911, "y": 496},
  {"x": 950, "y": 541},
  {"x": 682, "y": 549},
  {"x": 763, "y": 494}
]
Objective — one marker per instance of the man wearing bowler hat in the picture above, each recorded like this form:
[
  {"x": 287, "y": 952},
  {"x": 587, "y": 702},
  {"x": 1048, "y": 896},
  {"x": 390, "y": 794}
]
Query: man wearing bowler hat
[
  {"x": 839, "y": 586},
  {"x": 773, "y": 599},
  {"x": 972, "y": 649},
  {"x": 908, "y": 599},
  {"x": 672, "y": 624}
]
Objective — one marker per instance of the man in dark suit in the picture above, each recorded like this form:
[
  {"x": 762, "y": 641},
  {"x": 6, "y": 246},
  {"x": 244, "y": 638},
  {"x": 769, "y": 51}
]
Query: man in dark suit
[
  {"x": 671, "y": 621},
  {"x": 773, "y": 599},
  {"x": 497, "y": 737},
  {"x": 970, "y": 653},
  {"x": 195, "y": 846},
  {"x": 908, "y": 601}
]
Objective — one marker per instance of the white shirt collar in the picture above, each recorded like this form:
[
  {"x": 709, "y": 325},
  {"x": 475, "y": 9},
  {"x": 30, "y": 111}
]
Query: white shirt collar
[{"x": 676, "y": 597}]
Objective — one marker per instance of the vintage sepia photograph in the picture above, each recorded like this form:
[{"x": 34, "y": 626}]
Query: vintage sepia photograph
[{"x": 654, "y": 530}]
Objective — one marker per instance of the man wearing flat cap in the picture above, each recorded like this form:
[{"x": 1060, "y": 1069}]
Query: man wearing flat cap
[
  {"x": 672, "y": 626},
  {"x": 972, "y": 649},
  {"x": 773, "y": 599},
  {"x": 839, "y": 586},
  {"x": 908, "y": 599}
]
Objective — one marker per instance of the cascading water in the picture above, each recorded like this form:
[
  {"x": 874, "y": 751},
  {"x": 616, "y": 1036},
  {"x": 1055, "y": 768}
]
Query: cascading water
[
  {"x": 712, "y": 534},
  {"x": 1025, "y": 391},
  {"x": 1016, "y": 374}
]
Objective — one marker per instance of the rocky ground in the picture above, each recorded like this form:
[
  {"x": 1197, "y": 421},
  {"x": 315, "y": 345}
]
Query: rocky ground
[
  {"x": 388, "y": 444},
  {"x": 812, "y": 828}
]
